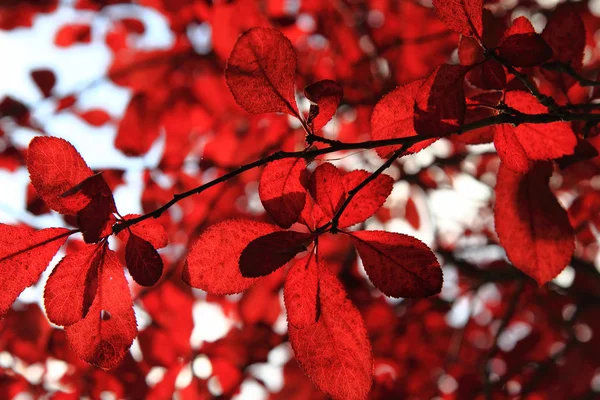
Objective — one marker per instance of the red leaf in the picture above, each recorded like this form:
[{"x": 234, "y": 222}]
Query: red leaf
[
  {"x": 281, "y": 190},
  {"x": 509, "y": 148},
  {"x": 261, "y": 72},
  {"x": 95, "y": 117},
  {"x": 524, "y": 50},
  {"x": 488, "y": 75},
  {"x": 393, "y": 117},
  {"x": 45, "y": 80},
  {"x": 267, "y": 253},
  {"x": 469, "y": 51},
  {"x": 368, "y": 200},
  {"x": 541, "y": 141},
  {"x": 96, "y": 218},
  {"x": 440, "y": 102},
  {"x": 520, "y": 25},
  {"x": 565, "y": 34},
  {"x": 532, "y": 226},
  {"x": 398, "y": 265},
  {"x": 300, "y": 292},
  {"x": 213, "y": 262},
  {"x": 327, "y": 188},
  {"x": 140, "y": 126},
  {"x": 411, "y": 214},
  {"x": 105, "y": 334},
  {"x": 149, "y": 230},
  {"x": 55, "y": 167},
  {"x": 72, "y": 286},
  {"x": 462, "y": 16},
  {"x": 335, "y": 352},
  {"x": 143, "y": 261},
  {"x": 68, "y": 35},
  {"x": 312, "y": 216},
  {"x": 24, "y": 255},
  {"x": 324, "y": 96}
]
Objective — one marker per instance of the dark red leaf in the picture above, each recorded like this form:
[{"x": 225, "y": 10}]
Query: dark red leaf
[
  {"x": 261, "y": 72},
  {"x": 300, "y": 292},
  {"x": 393, "y": 117},
  {"x": 24, "y": 255},
  {"x": 583, "y": 151},
  {"x": 540, "y": 141},
  {"x": 45, "y": 80},
  {"x": 488, "y": 75},
  {"x": 335, "y": 352},
  {"x": 55, "y": 167},
  {"x": 398, "y": 265},
  {"x": 281, "y": 190},
  {"x": 143, "y": 261},
  {"x": 324, "y": 96},
  {"x": 470, "y": 51},
  {"x": 440, "y": 102},
  {"x": 267, "y": 253},
  {"x": 565, "y": 34},
  {"x": 72, "y": 286},
  {"x": 524, "y": 50},
  {"x": 532, "y": 226},
  {"x": 462, "y": 16},
  {"x": 213, "y": 262},
  {"x": 96, "y": 218},
  {"x": 368, "y": 200},
  {"x": 326, "y": 187},
  {"x": 104, "y": 335}
]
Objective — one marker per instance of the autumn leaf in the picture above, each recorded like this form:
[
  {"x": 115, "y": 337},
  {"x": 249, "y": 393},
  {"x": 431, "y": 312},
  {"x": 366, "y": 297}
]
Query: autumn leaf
[
  {"x": 532, "y": 226},
  {"x": 462, "y": 16},
  {"x": 398, "y": 265},
  {"x": 324, "y": 96},
  {"x": 105, "y": 334},
  {"x": 213, "y": 261},
  {"x": 282, "y": 191},
  {"x": 72, "y": 286},
  {"x": 265, "y": 254},
  {"x": 261, "y": 71},
  {"x": 24, "y": 255},
  {"x": 143, "y": 261},
  {"x": 300, "y": 292},
  {"x": 393, "y": 117},
  {"x": 335, "y": 352}
]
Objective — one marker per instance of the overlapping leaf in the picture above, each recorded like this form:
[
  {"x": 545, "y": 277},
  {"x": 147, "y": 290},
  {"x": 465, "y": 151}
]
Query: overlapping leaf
[
  {"x": 72, "y": 286},
  {"x": 105, "y": 334},
  {"x": 393, "y": 117},
  {"x": 398, "y": 265},
  {"x": 281, "y": 190},
  {"x": 213, "y": 261},
  {"x": 325, "y": 96},
  {"x": 265, "y": 254}
]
